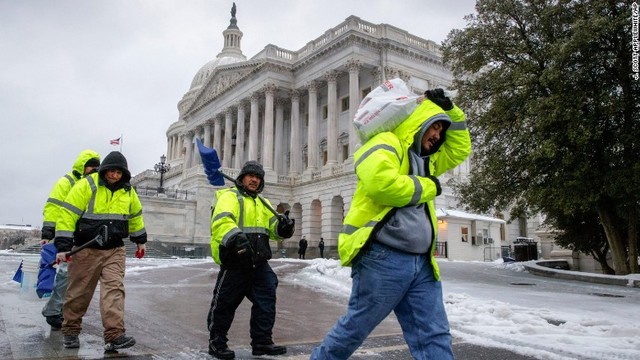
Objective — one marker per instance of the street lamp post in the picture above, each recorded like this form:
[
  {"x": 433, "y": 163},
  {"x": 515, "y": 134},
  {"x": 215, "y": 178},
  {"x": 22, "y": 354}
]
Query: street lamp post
[{"x": 162, "y": 167}]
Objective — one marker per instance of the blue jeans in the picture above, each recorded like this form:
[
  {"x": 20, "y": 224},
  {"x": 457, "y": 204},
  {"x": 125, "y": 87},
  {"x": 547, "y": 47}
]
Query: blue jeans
[
  {"x": 53, "y": 307},
  {"x": 385, "y": 279}
]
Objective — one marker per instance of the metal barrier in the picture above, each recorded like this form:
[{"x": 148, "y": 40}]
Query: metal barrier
[{"x": 441, "y": 249}]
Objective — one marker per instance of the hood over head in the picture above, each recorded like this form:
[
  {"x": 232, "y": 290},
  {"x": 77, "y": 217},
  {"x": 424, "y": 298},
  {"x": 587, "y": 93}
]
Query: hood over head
[
  {"x": 413, "y": 128},
  {"x": 85, "y": 156},
  {"x": 115, "y": 160},
  {"x": 417, "y": 139}
]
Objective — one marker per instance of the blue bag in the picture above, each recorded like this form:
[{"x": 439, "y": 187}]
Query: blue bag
[
  {"x": 17, "y": 277},
  {"x": 47, "y": 273}
]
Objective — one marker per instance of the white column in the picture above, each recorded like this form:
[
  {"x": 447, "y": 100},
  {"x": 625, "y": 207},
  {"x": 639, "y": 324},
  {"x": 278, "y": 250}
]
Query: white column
[
  {"x": 228, "y": 133},
  {"x": 207, "y": 133},
  {"x": 168, "y": 148},
  {"x": 253, "y": 127},
  {"x": 187, "y": 157},
  {"x": 279, "y": 153},
  {"x": 295, "y": 149},
  {"x": 354, "y": 102},
  {"x": 196, "y": 154},
  {"x": 312, "y": 131},
  {"x": 377, "y": 75},
  {"x": 217, "y": 135},
  {"x": 174, "y": 147},
  {"x": 240, "y": 136},
  {"x": 332, "y": 122},
  {"x": 267, "y": 144}
]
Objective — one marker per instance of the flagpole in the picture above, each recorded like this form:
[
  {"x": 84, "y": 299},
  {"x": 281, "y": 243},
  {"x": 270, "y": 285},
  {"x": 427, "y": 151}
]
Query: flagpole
[{"x": 121, "y": 140}]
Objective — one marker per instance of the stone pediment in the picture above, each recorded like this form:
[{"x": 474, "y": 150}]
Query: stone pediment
[{"x": 220, "y": 82}]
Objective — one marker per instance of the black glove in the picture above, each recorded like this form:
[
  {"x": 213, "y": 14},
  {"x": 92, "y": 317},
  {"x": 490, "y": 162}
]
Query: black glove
[
  {"x": 63, "y": 244},
  {"x": 140, "y": 239},
  {"x": 239, "y": 244},
  {"x": 48, "y": 233},
  {"x": 438, "y": 97},
  {"x": 286, "y": 226},
  {"x": 437, "y": 182}
]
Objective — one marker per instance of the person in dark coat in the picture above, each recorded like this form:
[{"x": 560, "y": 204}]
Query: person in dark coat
[
  {"x": 302, "y": 248},
  {"x": 321, "y": 247}
]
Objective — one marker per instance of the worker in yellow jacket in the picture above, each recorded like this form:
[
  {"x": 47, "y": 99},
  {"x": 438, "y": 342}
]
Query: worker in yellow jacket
[
  {"x": 86, "y": 163},
  {"x": 242, "y": 223},
  {"x": 100, "y": 210},
  {"x": 390, "y": 232}
]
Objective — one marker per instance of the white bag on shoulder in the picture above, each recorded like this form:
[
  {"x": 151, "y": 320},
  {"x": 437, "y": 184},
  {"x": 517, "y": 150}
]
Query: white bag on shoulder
[{"x": 384, "y": 108}]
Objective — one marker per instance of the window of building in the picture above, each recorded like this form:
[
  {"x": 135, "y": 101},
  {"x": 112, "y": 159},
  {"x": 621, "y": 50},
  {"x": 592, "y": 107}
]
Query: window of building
[
  {"x": 365, "y": 92},
  {"x": 345, "y": 152},
  {"x": 485, "y": 237},
  {"x": 344, "y": 103},
  {"x": 325, "y": 111},
  {"x": 465, "y": 233}
]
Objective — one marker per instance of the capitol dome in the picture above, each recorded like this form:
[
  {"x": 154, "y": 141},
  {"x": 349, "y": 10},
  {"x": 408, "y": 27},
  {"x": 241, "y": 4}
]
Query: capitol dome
[
  {"x": 207, "y": 69},
  {"x": 231, "y": 52}
]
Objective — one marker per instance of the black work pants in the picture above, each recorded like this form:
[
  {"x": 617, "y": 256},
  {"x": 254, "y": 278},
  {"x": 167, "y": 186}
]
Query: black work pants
[{"x": 232, "y": 286}]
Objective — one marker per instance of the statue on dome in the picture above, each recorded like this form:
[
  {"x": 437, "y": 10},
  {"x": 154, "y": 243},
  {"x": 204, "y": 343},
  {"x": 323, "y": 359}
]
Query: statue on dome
[{"x": 233, "y": 10}]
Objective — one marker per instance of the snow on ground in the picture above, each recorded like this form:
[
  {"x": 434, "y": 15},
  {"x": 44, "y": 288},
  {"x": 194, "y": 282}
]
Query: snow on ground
[
  {"x": 548, "y": 332},
  {"x": 551, "y": 331}
]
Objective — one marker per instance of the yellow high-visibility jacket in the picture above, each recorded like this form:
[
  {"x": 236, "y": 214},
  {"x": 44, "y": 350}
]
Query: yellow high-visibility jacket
[
  {"x": 382, "y": 167},
  {"x": 60, "y": 191},
  {"x": 235, "y": 212},
  {"x": 90, "y": 206}
]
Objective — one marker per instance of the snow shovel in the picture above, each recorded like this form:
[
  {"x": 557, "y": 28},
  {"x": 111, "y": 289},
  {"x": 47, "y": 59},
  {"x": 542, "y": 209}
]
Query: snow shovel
[
  {"x": 211, "y": 164},
  {"x": 100, "y": 239}
]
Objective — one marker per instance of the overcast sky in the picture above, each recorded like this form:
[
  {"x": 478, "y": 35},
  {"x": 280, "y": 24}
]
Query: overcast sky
[{"x": 75, "y": 74}]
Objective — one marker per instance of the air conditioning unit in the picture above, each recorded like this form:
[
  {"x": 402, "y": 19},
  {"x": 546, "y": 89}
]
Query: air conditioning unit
[{"x": 489, "y": 240}]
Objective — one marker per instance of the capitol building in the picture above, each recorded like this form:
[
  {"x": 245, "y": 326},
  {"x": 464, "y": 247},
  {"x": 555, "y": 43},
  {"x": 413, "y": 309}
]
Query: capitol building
[{"x": 292, "y": 111}]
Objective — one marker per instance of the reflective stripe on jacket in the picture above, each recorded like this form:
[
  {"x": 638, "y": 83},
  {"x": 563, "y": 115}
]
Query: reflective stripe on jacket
[
  {"x": 63, "y": 186},
  {"x": 89, "y": 206},
  {"x": 235, "y": 212},
  {"x": 382, "y": 168}
]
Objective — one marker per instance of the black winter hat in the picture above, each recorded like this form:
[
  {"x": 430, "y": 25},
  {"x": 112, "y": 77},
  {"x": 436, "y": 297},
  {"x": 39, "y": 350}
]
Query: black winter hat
[
  {"x": 252, "y": 167},
  {"x": 115, "y": 160}
]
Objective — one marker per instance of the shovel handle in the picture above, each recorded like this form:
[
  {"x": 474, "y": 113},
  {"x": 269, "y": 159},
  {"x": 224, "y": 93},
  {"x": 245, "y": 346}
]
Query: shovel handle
[{"x": 98, "y": 239}]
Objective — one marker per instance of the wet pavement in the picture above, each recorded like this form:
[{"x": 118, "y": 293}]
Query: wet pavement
[{"x": 166, "y": 309}]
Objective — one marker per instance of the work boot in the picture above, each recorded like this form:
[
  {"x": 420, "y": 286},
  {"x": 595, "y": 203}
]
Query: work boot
[
  {"x": 122, "y": 342},
  {"x": 221, "y": 351},
  {"x": 71, "y": 341},
  {"x": 268, "y": 349},
  {"x": 55, "y": 321}
]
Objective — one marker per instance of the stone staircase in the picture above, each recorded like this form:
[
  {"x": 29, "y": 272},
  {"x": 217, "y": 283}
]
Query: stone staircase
[{"x": 153, "y": 250}]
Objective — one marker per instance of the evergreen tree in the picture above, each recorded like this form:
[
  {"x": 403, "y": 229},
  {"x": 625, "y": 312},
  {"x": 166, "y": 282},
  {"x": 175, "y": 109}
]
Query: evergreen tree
[{"x": 553, "y": 110}]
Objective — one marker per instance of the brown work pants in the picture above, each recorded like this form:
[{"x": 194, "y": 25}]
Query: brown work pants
[{"x": 87, "y": 267}]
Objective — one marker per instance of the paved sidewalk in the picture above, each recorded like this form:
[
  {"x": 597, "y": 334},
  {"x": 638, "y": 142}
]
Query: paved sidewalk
[{"x": 166, "y": 312}]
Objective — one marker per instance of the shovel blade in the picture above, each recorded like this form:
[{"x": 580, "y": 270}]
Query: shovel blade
[{"x": 211, "y": 163}]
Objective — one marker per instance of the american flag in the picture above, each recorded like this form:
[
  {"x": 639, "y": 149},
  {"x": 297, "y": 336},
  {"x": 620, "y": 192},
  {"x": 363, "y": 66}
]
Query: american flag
[{"x": 115, "y": 141}]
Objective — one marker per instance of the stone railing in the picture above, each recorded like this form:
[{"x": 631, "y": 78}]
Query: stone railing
[
  {"x": 352, "y": 23},
  {"x": 167, "y": 193}
]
